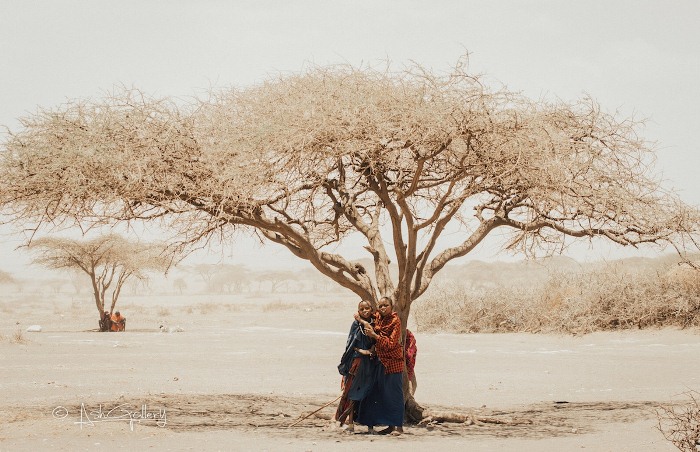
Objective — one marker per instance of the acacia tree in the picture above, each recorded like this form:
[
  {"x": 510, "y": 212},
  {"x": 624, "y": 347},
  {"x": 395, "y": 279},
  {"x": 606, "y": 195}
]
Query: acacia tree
[
  {"x": 180, "y": 284},
  {"x": 109, "y": 261},
  {"x": 230, "y": 278},
  {"x": 305, "y": 160}
]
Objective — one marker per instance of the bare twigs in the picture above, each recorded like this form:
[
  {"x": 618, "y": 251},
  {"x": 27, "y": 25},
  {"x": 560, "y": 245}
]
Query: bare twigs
[
  {"x": 680, "y": 424},
  {"x": 314, "y": 412}
]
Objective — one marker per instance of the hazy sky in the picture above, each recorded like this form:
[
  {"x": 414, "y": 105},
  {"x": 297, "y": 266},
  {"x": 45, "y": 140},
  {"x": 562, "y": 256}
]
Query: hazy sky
[{"x": 641, "y": 58}]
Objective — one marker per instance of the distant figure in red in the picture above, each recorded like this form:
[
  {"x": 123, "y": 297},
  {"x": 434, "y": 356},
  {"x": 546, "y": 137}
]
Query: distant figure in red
[
  {"x": 118, "y": 322},
  {"x": 410, "y": 350}
]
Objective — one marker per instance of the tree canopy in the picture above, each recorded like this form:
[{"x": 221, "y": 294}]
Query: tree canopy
[{"x": 306, "y": 159}]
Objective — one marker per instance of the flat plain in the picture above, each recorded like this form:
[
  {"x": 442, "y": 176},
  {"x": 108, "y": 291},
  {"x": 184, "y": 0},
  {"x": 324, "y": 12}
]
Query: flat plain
[{"x": 233, "y": 372}]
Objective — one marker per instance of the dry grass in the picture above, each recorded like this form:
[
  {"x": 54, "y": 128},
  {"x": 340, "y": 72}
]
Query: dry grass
[
  {"x": 278, "y": 305},
  {"x": 233, "y": 307},
  {"x": 132, "y": 308},
  {"x": 208, "y": 307},
  {"x": 5, "y": 308},
  {"x": 680, "y": 424},
  {"x": 18, "y": 337},
  {"x": 607, "y": 298}
]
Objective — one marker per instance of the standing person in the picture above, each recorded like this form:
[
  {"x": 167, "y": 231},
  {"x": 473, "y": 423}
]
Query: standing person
[
  {"x": 384, "y": 405},
  {"x": 358, "y": 366},
  {"x": 411, "y": 350}
]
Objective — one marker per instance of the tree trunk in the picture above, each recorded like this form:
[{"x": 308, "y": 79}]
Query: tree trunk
[
  {"x": 412, "y": 410},
  {"x": 99, "y": 302}
]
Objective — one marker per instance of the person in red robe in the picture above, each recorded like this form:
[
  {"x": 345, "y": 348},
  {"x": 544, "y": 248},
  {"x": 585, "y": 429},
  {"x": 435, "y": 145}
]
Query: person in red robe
[
  {"x": 118, "y": 322},
  {"x": 411, "y": 350}
]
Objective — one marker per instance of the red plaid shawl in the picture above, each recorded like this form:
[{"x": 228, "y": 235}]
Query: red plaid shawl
[
  {"x": 411, "y": 350},
  {"x": 389, "y": 348}
]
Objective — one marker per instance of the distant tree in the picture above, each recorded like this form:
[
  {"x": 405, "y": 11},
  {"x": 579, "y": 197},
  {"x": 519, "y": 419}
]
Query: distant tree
[
  {"x": 54, "y": 285},
  {"x": 139, "y": 286},
  {"x": 76, "y": 282},
  {"x": 206, "y": 272},
  {"x": 109, "y": 261},
  {"x": 180, "y": 284},
  {"x": 277, "y": 279},
  {"x": 316, "y": 281},
  {"x": 230, "y": 278}
]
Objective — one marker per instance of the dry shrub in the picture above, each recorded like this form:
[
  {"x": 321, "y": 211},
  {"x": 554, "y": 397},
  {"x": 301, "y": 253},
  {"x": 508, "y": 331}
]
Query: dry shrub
[
  {"x": 680, "y": 424},
  {"x": 208, "y": 307},
  {"x": 18, "y": 337},
  {"x": 606, "y": 298},
  {"x": 277, "y": 305},
  {"x": 163, "y": 312}
]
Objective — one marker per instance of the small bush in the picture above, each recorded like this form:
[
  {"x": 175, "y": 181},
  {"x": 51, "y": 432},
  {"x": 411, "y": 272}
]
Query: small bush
[
  {"x": 209, "y": 307},
  {"x": 680, "y": 424},
  {"x": 277, "y": 305},
  {"x": 18, "y": 337}
]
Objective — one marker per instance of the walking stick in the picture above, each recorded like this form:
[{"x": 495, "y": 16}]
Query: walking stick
[{"x": 314, "y": 412}]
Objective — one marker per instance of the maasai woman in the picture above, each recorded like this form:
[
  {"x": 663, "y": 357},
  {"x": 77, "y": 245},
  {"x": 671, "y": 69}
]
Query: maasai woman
[
  {"x": 358, "y": 366},
  {"x": 384, "y": 404},
  {"x": 411, "y": 350}
]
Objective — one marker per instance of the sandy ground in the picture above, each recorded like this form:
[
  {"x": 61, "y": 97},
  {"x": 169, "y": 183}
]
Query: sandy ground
[{"x": 244, "y": 368}]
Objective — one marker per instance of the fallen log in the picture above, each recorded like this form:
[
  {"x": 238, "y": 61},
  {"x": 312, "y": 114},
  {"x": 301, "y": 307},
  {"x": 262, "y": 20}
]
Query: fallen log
[{"x": 468, "y": 419}]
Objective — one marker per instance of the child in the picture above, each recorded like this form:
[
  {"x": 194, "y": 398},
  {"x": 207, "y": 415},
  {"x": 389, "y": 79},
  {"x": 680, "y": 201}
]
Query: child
[{"x": 358, "y": 366}]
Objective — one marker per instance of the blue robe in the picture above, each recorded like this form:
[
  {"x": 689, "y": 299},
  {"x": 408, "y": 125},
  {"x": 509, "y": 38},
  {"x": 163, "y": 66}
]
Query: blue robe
[
  {"x": 366, "y": 374},
  {"x": 384, "y": 404}
]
